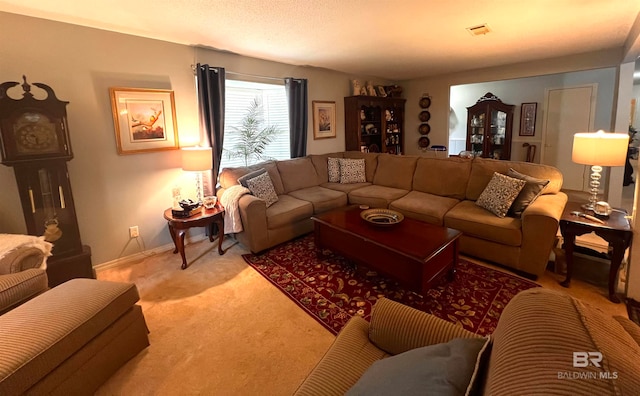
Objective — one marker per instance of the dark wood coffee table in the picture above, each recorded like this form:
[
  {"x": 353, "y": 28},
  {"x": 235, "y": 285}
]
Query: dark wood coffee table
[{"x": 413, "y": 252}]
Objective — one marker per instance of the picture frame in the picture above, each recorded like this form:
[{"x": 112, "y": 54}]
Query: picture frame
[
  {"x": 528, "y": 119},
  {"x": 381, "y": 91},
  {"x": 324, "y": 119},
  {"x": 144, "y": 120}
]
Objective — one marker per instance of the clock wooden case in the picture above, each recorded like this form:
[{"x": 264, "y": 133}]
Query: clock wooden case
[{"x": 34, "y": 140}]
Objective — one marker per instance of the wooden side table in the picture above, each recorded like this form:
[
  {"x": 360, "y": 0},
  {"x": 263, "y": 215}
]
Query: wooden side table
[
  {"x": 616, "y": 230},
  {"x": 206, "y": 218}
]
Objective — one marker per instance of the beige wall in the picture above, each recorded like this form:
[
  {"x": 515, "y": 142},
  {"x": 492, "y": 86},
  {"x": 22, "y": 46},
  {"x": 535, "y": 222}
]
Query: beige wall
[{"x": 114, "y": 192}]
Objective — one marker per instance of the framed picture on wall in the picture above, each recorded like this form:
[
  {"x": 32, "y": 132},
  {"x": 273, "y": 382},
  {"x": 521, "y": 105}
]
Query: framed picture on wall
[
  {"x": 144, "y": 120},
  {"x": 528, "y": 119},
  {"x": 324, "y": 119}
]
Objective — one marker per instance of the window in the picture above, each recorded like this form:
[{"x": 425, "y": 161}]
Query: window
[{"x": 238, "y": 99}]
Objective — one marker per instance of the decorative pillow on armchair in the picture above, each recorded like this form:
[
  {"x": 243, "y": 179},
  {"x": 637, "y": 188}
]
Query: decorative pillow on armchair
[
  {"x": 500, "y": 193},
  {"x": 262, "y": 187},
  {"x": 352, "y": 170}
]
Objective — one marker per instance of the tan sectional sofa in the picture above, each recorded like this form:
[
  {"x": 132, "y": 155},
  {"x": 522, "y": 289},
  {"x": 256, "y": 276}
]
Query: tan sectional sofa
[
  {"x": 440, "y": 191},
  {"x": 531, "y": 351}
]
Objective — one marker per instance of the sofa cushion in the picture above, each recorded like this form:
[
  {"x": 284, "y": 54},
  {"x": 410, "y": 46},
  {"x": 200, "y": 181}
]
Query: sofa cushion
[
  {"x": 58, "y": 327},
  {"x": 297, "y": 173},
  {"x": 352, "y": 170},
  {"x": 475, "y": 221},
  {"x": 630, "y": 327},
  {"x": 229, "y": 176},
  {"x": 376, "y": 196},
  {"x": 482, "y": 170},
  {"x": 262, "y": 187},
  {"x": 346, "y": 188},
  {"x": 442, "y": 369},
  {"x": 21, "y": 286},
  {"x": 333, "y": 169},
  {"x": 395, "y": 171},
  {"x": 500, "y": 193},
  {"x": 429, "y": 173},
  {"x": 529, "y": 192},
  {"x": 322, "y": 199},
  {"x": 288, "y": 210},
  {"x": 423, "y": 206},
  {"x": 536, "y": 338},
  {"x": 370, "y": 159}
]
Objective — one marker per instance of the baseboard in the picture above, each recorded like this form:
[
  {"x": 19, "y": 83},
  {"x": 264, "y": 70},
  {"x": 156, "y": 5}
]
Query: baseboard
[{"x": 136, "y": 257}]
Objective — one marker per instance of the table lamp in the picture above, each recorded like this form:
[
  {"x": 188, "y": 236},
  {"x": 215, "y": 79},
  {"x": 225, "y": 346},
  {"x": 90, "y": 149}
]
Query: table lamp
[
  {"x": 197, "y": 159},
  {"x": 599, "y": 149}
]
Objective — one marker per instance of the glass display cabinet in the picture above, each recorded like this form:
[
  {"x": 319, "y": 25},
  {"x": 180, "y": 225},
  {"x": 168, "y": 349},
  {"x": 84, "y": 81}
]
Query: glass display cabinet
[
  {"x": 489, "y": 126},
  {"x": 374, "y": 124}
]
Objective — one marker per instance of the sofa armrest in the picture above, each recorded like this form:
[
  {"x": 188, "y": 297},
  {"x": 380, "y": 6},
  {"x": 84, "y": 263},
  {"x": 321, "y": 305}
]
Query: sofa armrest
[
  {"x": 253, "y": 213},
  {"x": 397, "y": 328},
  {"x": 540, "y": 222},
  {"x": 17, "y": 288}
]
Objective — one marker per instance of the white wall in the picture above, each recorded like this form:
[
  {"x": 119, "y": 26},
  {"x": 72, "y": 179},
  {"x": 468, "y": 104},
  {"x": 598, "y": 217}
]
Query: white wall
[{"x": 114, "y": 192}]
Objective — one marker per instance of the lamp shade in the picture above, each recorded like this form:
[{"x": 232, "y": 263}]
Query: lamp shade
[
  {"x": 197, "y": 159},
  {"x": 600, "y": 148}
]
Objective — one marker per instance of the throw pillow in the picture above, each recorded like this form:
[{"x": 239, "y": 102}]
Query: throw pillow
[
  {"x": 500, "y": 193},
  {"x": 333, "y": 167},
  {"x": 352, "y": 170},
  {"x": 530, "y": 192},
  {"x": 243, "y": 179},
  {"x": 442, "y": 369},
  {"x": 262, "y": 187}
]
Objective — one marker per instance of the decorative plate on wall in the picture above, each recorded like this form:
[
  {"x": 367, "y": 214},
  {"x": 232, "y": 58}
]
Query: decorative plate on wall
[
  {"x": 424, "y": 142},
  {"x": 425, "y": 102},
  {"x": 424, "y": 129},
  {"x": 424, "y": 116}
]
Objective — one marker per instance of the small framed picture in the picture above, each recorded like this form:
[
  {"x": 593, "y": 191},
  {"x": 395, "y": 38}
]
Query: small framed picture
[
  {"x": 324, "y": 119},
  {"x": 144, "y": 120},
  {"x": 381, "y": 91},
  {"x": 528, "y": 119}
]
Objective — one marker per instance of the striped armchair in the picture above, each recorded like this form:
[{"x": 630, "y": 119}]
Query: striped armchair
[{"x": 23, "y": 263}]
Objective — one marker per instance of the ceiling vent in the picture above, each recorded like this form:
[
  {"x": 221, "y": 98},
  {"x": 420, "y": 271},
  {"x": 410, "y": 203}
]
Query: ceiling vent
[{"x": 479, "y": 30}]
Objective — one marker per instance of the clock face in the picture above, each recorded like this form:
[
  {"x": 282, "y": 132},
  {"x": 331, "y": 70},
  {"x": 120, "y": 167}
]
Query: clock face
[{"x": 35, "y": 133}]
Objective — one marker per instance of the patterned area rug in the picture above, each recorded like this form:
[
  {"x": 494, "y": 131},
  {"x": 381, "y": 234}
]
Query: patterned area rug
[{"x": 332, "y": 290}]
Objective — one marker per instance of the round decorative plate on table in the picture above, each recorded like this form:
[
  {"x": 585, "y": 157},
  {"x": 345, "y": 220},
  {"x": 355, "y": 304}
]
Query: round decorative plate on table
[
  {"x": 424, "y": 129},
  {"x": 382, "y": 216},
  {"x": 424, "y": 116}
]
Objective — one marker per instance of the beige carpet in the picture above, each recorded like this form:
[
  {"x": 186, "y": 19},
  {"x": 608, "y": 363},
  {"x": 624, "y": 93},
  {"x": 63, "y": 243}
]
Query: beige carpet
[{"x": 220, "y": 328}]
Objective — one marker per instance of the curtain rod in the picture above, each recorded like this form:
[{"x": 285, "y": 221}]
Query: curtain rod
[{"x": 215, "y": 69}]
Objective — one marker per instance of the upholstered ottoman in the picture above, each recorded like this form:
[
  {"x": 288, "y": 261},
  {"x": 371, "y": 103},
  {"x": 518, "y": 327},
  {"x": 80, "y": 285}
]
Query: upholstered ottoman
[{"x": 70, "y": 339}]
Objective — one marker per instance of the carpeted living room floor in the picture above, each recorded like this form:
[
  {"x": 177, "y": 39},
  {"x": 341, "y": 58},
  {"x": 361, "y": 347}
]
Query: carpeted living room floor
[{"x": 219, "y": 327}]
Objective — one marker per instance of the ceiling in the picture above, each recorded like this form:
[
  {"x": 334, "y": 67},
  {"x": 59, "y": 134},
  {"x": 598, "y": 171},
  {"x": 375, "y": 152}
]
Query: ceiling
[{"x": 390, "y": 39}]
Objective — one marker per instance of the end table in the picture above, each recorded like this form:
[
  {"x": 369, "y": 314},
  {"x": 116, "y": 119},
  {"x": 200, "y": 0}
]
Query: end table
[
  {"x": 206, "y": 218},
  {"x": 616, "y": 230}
]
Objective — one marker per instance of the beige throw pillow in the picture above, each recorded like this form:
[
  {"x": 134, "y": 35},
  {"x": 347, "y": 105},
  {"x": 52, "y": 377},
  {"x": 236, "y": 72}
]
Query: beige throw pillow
[
  {"x": 352, "y": 170},
  {"x": 500, "y": 193}
]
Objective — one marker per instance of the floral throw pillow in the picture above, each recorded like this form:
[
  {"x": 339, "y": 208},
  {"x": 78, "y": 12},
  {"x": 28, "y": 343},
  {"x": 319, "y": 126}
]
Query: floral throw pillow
[
  {"x": 262, "y": 187},
  {"x": 500, "y": 193},
  {"x": 352, "y": 170},
  {"x": 333, "y": 167}
]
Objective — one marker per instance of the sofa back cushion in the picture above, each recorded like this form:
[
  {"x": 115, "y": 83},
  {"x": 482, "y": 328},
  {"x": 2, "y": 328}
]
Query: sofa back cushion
[
  {"x": 395, "y": 171},
  {"x": 446, "y": 177},
  {"x": 536, "y": 338},
  {"x": 482, "y": 171},
  {"x": 229, "y": 176},
  {"x": 370, "y": 162},
  {"x": 320, "y": 162},
  {"x": 297, "y": 173}
]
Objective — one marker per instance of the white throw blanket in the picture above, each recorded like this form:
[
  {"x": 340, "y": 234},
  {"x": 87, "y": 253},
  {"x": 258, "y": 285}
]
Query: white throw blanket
[
  {"x": 15, "y": 244},
  {"x": 229, "y": 200}
]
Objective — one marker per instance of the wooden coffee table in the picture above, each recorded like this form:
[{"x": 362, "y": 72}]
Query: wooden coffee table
[{"x": 413, "y": 252}]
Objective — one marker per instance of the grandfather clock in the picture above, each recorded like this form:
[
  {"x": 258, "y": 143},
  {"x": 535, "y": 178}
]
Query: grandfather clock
[{"x": 34, "y": 140}]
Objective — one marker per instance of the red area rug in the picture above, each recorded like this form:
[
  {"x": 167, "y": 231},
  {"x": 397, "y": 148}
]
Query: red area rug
[{"x": 332, "y": 291}]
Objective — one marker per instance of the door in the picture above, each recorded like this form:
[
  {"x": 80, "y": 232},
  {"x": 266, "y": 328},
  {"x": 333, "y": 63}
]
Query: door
[{"x": 567, "y": 111}]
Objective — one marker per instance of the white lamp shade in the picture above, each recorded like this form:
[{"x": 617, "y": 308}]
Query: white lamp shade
[
  {"x": 600, "y": 148},
  {"x": 197, "y": 159}
]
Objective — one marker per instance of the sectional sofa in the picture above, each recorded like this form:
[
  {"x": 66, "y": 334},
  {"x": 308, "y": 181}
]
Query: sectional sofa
[{"x": 441, "y": 191}]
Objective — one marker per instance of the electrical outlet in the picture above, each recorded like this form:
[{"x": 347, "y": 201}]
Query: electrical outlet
[{"x": 134, "y": 232}]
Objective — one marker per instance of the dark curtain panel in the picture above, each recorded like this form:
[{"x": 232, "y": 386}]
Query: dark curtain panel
[
  {"x": 297, "y": 97},
  {"x": 210, "y": 85}
]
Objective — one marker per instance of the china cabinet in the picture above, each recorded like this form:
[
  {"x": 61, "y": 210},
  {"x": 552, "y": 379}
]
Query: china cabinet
[
  {"x": 34, "y": 140},
  {"x": 489, "y": 126},
  {"x": 374, "y": 124}
]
